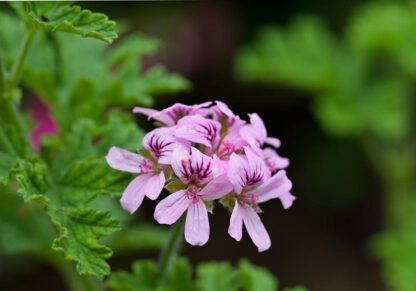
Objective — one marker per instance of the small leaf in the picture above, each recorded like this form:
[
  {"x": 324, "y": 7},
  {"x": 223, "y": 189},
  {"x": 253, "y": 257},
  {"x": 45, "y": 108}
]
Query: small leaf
[
  {"x": 217, "y": 276},
  {"x": 255, "y": 278},
  {"x": 60, "y": 17}
]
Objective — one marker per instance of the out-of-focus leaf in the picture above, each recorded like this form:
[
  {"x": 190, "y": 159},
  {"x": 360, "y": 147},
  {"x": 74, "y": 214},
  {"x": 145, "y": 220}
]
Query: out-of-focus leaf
[
  {"x": 297, "y": 288},
  {"x": 217, "y": 276},
  {"x": 381, "y": 108},
  {"x": 145, "y": 276},
  {"x": 370, "y": 31},
  {"x": 301, "y": 56},
  {"x": 255, "y": 278},
  {"x": 24, "y": 227},
  {"x": 397, "y": 249},
  {"x": 140, "y": 237},
  {"x": 7, "y": 161}
]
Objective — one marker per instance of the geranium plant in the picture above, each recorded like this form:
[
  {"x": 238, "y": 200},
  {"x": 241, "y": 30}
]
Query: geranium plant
[{"x": 60, "y": 197}]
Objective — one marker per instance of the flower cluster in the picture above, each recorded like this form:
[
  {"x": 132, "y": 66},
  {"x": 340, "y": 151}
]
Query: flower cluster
[{"x": 202, "y": 153}]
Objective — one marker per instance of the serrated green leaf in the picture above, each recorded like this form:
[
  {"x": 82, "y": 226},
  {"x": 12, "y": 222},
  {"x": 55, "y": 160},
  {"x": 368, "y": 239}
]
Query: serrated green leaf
[
  {"x": 80, "y": 230},
  {"x": 61, "y": 17},
  {"x": 66, "y": 199},
  {"x": 32, "y": 180},
  {"x": 255, "y": 278},
  {"x": 216, "y": 276}
]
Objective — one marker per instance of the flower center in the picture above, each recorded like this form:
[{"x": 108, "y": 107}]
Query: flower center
[
  {"x": 248, "y": 200},
  {"x": 192, "y": 193},
  {"x": 146, "y": 166}
]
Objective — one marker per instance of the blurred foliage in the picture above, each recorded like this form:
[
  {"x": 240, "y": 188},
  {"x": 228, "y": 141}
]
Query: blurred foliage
[
  {"x": 362, "y": 83},
  {"x": 397, "y": 247},
  {"x": 68, "y": 190},
  {"x": 363, "y": 88},
  {"x": 210, "y": 276}
]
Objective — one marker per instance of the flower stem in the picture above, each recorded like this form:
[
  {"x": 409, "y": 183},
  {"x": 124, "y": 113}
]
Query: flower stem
[{"x": 171, "y": 248}]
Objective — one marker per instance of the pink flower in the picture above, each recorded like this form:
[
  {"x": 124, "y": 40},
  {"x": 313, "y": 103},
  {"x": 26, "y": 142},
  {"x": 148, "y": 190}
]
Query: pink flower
[
  {"x": 253, "y": 185},
  {"x": 196, "y": 171},
  {"x": 207, "y": 153},
  {"x": 172, "y": 114},
  {"x": 149, "y": 183},
  {"x": 198, "y": 129},
  {"x": 160, "y": 143},
  {"x": 45, "y": 123},
  {"x": 255, "y": 134}
]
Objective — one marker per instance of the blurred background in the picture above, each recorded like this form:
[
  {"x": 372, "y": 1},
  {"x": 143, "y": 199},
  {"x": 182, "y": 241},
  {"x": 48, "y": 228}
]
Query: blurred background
[{"x": 323, "y": 241}]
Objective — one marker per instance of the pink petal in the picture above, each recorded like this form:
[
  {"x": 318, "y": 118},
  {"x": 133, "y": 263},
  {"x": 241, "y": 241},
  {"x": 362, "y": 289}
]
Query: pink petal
[
  {"x": 172, "y": 114},
  {"x": 145, "y": 111},
  {"x": 197, "y": 224},
  {"x": 273, "y": 141},
  {"x": 160, "y": 143},
  {"x": 170, "y": 209},
  {"x": 258, "y": 126},
  {"x": 273, "y": 160},
  {"x": 225, "y": 109},
  {"x": 155, "y": 186},
  {"x": 194, "y": 165},
  {"x": 199, "y": 130},
  {"x": 144, "y": 185},
  {"x": 235, "y": 170},
  {"x": 216, "y": 188},
  {"x": 236, "y": 223},
  {"x": 256, "y": 165},
  {"x": 276, "y": 186},
  {"x": 123, "y": 160},
  {"x": 287, "y": 200},
  {"x": 256, "y": 229}
]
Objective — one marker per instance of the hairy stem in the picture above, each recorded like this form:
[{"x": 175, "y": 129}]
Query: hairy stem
[{"x": 171, "y": 248}]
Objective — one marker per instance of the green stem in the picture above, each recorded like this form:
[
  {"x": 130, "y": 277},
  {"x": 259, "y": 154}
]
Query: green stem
[
  {"x": 8, "y": 109},
  {"x": 171, "y": 248},
  {"x": 18, "y": 64}
]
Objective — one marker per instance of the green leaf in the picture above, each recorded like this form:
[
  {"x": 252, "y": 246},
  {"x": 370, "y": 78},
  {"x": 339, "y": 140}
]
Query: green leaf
[
  {"x": 61, "y": 17},
  {"x": 255, "y": 278},
  {"x": 216, "y": 276},
  {"x": 24, "y": 227},
  {"x": 299, "y": 56},
  {"x": 32, "y": 180},
  {"x": 66, "y": 199},
  {"x": 80, "y": 230},
  {"x": 7, "y": 162},
  {"x": 144, "y": 277},
  {"x": 139, "y": 237}
]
